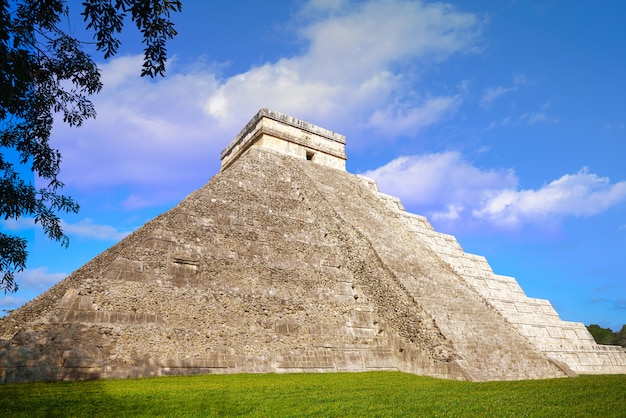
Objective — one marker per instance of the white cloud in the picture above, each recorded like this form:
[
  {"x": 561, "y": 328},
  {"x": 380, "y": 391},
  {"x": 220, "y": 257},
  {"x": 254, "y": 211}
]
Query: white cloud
[
  {"x": 31, "y": 282},
  {"x": 580, "y": 194},
  {"x": 147, "y": 132},
  {"x": 85, "y": 228},
  {"x": 494, "y": 93},
  {"x": 17, "y": 225},
  {"x": 541, "y": 116},
  {"x": 533, "y": 118},
  {"x": 350, "y": 69},
  {"x": 120, "y": 71},
  {"x": 88, "y": 229},
  {"x": 8, "y": 303},
  {"x": 357, "y": 69},
  {"x": 453, "y": 191},
  {"x": 38, "y": 279},
  {"x": 438, "y": 180},
  {"x": 375, "y": 34},
  {"x": 392, "y": 121}
]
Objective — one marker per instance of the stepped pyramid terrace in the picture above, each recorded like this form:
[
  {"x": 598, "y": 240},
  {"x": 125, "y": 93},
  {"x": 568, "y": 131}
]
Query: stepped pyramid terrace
[{"x": 285, "y": 262}]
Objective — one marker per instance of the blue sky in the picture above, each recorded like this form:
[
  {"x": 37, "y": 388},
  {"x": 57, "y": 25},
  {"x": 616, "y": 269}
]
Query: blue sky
[{"x": 503, "y": 122}]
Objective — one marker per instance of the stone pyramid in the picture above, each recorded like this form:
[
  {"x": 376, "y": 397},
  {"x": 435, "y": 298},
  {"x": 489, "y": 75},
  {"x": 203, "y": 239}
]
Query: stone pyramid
[{"x": 285, "y": 262}]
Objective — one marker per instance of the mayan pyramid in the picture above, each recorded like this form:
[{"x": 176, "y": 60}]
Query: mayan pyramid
[{"x": 285, "y": 262}]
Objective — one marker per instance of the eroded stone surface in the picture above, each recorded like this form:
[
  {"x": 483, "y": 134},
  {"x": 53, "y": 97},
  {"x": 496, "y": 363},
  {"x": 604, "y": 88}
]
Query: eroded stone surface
[{"x": 283, "y": 264}]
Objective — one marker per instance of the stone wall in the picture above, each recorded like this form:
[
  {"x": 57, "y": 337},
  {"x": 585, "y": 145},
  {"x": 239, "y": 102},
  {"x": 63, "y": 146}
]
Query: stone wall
[
  {"x": 287, "y": 135},
  {"x": 535, "y": 319}
]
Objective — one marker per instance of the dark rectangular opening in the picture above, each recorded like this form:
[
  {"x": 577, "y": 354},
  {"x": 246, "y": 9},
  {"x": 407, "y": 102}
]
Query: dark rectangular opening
[{"x": 309, "y": 155}]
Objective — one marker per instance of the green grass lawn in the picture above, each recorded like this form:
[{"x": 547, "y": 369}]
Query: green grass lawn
[{"x": 333, "y": 394}]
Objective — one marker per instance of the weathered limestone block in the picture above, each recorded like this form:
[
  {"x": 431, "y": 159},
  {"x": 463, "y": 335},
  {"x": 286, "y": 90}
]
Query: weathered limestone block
[
  {"x": 534, "y": 319},
  {"x": 124, "y": 269}
]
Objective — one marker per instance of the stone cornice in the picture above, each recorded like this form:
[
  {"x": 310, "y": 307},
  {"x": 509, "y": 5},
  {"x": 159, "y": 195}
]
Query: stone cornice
[{"x": 251, "y": 131}]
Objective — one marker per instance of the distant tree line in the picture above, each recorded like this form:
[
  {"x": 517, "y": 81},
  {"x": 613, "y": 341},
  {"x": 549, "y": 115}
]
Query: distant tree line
[{"x": 606, "y": 336}]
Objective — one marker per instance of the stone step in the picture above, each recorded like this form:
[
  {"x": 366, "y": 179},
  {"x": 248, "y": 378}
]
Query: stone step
[{"x": 435, "y": 287}]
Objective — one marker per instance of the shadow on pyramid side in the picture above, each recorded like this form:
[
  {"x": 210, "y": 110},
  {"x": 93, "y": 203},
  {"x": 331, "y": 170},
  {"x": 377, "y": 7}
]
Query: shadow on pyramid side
[{"x": 284, "y": 262}]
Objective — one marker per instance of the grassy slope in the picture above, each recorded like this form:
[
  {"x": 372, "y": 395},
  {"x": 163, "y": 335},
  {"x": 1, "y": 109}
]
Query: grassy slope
[{"x": 332, "y": 394}]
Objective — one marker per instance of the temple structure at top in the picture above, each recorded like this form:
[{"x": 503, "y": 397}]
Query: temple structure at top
[{"x": 278, "y": 132}]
